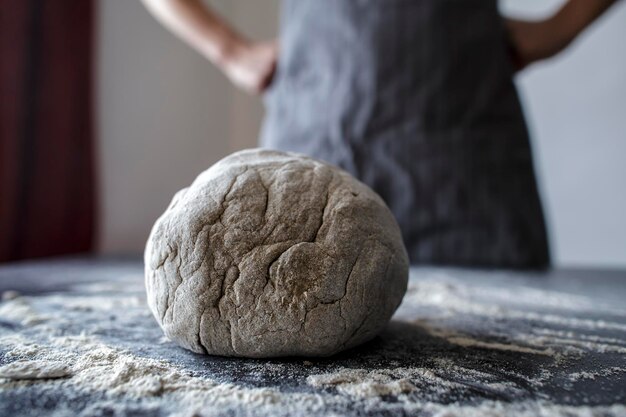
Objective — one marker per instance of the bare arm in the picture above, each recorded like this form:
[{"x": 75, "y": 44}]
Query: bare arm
[
  {"x": 249, "y": 65},
  {"x": 534, "y": 41}
]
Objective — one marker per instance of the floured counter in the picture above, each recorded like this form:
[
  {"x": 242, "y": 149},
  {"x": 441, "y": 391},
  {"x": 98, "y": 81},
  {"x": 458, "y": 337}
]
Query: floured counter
[{"x": 76, "y": 339}]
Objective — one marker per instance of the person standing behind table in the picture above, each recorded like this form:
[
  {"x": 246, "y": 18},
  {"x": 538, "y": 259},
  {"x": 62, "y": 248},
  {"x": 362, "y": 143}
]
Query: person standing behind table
[{"x": 413, "y": 97}]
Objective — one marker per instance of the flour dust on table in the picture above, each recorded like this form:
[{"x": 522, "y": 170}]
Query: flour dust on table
[{"x": 459, "y": 345}]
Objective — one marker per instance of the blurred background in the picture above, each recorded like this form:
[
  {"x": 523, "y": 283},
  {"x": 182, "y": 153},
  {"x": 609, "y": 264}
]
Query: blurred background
[{"x": 161, "y": 114}]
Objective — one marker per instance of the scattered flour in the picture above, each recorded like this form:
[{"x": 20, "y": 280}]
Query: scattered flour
[
  {"x": 614, "y": 370},
  {"x": 34, "y": 370},
  {"x": 444, "y": 289},
  {"x": 95, "y": 302},
  {"x": 10, "y": 295},
  {"x": 575, "y": 341},
  {"x": 119, "y": 379},
  {"x": 363, "y": 383},
  {"x": 18, "y": 309},
  {"x": 121, "y": 285},
  {"x": 96, "y": 367},
  {"x": 366, "y": 385},
  {"x": 456, "y": 298},
  {"x": 466, "y": 341},
  {"x": 452, "y": 299},
  {"x": 18, "y": 347},
  {"x": 521, "y": 409},
  {"x": 369, "y": 384}
]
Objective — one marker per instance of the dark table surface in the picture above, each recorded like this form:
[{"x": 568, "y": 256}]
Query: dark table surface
[{"x": 464, "y": 342}]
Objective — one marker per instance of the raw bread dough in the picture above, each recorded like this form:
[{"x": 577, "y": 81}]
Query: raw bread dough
[{"x": 274, "y": 254}]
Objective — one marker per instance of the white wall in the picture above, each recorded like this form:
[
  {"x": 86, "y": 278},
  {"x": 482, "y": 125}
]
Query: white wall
[
  {"x": 575, "y": 104},
  {"x": 166, "y": 114},
  {"x": 259, "y": 20},
  {"x": 163, "y": 117}
]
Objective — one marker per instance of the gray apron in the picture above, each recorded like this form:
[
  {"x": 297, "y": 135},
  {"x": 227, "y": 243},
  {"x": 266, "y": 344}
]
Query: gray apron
[{"x": 415, "y": 98}]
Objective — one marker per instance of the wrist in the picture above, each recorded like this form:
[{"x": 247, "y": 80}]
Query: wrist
[
  {"x": 228, "y": 49},
  {"x": 569, "y": 22},
  {"x": 557, "y": 34}
]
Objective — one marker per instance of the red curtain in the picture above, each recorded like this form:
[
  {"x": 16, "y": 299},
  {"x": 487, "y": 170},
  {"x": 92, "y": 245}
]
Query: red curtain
[{"x": 47, "y": 188}]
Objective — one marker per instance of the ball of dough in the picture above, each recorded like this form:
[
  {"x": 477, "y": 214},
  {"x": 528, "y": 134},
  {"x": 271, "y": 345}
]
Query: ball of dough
[{"x": 274, "y": 254}]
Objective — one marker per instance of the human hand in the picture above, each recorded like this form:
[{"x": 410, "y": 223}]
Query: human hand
[
  {"x": 534, "y": 41},
  {"x": 251, "y": 65}
]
